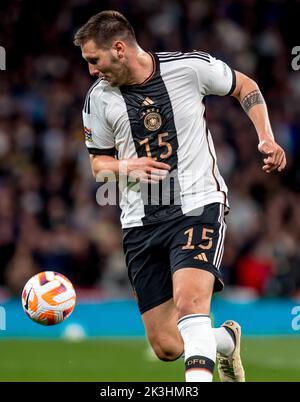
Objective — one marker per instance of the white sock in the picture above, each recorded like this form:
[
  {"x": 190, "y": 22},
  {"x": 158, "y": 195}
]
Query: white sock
[
  {"x": 199, "y": 347},
  {"x": 225, "y": 343}
]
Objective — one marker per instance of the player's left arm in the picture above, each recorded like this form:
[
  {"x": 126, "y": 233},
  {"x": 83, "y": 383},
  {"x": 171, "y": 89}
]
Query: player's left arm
[{"x": 253, "y": 103}]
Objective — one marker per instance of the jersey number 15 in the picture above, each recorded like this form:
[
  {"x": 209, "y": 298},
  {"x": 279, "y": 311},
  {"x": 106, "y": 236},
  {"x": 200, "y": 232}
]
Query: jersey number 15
[{"x": 161, "y": 143}]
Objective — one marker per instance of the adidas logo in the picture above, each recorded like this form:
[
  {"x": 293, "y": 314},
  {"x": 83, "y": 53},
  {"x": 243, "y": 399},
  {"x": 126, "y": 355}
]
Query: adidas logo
[
  {"x": 201, "y": 257},
  {"x": 147, "y": 102}
]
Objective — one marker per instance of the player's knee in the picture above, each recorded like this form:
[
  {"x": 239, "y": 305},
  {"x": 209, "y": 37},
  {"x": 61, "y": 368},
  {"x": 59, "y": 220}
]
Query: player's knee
[
  {"x": 165, "y": 351},
  {"x": 191, "y": 304},
  {"x": 166, "y": 354}
]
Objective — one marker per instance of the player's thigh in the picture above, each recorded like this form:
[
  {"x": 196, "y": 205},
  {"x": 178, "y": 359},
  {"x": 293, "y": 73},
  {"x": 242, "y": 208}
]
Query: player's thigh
[
  {"x": 161, "y": 326},
  {"x": 160, "y": 318},
  {"x": 148, "y": 267},
  {"x": 192, "y": 291},
  {"x": 199, "y": 243}
]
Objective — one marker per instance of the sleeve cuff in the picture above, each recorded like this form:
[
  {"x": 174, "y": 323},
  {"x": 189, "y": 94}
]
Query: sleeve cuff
[
  {"x": 233, "y": 85},
  {"x": 104, "y": 151}
]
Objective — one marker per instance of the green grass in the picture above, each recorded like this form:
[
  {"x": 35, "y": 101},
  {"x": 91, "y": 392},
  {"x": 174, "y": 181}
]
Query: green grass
[{"x": 265, "y": 359}]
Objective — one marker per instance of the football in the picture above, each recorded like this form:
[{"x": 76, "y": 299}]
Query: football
[{"x": 48, "y": 298}]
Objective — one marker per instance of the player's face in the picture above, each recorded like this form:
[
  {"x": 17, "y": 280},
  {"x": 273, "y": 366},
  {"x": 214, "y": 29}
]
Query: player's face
[{"x": 105, "y": 63}]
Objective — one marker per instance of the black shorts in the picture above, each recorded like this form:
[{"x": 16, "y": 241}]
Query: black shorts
[{"x": 154, "y": 252}]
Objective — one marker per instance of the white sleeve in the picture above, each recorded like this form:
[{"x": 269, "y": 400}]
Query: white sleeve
[
  {"x": 99, "y": 138},
  {"x": 215, "y": 77}
]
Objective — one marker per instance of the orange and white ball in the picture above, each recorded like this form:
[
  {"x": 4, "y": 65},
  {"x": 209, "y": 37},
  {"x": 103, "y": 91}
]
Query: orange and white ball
[{"x": 48, "y": 298}]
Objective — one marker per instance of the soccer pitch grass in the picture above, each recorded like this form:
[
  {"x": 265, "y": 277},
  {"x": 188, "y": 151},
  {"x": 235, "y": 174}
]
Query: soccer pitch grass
[{"x": 265, "y": 359}]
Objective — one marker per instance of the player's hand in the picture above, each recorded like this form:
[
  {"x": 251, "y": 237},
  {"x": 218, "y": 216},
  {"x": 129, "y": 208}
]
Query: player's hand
[
  {"x": 275, "y": 155},
  {"x": 146, "y": 170}
]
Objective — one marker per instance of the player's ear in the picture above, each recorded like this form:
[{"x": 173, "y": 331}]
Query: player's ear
[{"x": 119, "y": 47}]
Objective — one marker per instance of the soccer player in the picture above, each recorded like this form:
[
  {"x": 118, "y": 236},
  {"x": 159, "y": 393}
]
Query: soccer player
[{"x": 144, "y": 119}]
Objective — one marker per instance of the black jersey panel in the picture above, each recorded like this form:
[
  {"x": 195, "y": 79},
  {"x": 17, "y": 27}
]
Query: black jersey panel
[{"x": 154, "y": 134}]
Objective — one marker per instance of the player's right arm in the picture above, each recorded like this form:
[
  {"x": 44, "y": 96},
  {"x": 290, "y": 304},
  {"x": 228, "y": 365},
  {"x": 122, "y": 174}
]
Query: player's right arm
[{"x": 145, "y": 170}]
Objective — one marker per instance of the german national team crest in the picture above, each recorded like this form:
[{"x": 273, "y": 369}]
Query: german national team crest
[{"x": 152, "y": 119}]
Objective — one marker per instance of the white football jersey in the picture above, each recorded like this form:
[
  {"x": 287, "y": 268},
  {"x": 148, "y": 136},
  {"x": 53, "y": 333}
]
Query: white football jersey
[{"x": 162, "y": 118}]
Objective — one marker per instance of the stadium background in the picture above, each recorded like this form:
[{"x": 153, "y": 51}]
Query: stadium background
[{"x": 49, "y": 217}]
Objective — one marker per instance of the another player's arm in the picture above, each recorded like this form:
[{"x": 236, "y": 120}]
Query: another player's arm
[
  {"x": 143, "y": 169},
  {"x": 252, "y": 101}
]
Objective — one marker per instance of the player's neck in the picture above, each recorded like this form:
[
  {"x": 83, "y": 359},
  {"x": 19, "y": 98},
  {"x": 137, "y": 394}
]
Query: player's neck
[{"x": 141, "y": 65}]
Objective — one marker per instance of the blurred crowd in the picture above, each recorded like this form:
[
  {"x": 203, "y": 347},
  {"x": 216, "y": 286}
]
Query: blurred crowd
[{"x": 49, "y": 217}]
